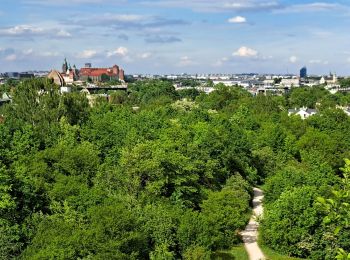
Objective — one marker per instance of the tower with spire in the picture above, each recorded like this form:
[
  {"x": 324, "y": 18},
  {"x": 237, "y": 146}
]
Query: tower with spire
[{"x": 65, "y": 66}]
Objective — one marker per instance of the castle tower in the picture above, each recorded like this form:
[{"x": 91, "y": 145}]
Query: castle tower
[{"x": 65, "y": 66}]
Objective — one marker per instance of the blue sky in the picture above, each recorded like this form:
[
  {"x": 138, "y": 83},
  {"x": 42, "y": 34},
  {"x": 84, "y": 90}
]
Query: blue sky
[{"x": 175, "y": 36}]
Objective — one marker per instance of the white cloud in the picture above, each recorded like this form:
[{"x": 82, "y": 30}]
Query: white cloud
[
  {"x": 87, "y": 54},
  {"x": 121, "y": 51},
  {"x": 237, "y": 19},
  {"x": 11, "y": 57},
  {"x": 293, "y": 59},
  {"x": 245, "y": 52},
  {"x": 26, "y": 31},
  {"x": 145, "y": 55},
  {"x": 19, "y": 30}
]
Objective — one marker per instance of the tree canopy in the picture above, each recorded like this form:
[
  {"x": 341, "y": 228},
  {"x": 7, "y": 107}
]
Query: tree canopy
[{"x": 156, "y": 173}]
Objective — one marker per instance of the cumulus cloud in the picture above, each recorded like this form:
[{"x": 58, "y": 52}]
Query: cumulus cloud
[
  {"x": 20, "y": 30},
  {"x": 293, "y": 59},
  {"x": 120, "y": 51},
  {"x": 87, "y": 54},
  {"x": 237, "y": 19},
  {"x": 26, "y": 31},
  {"x": 245, "y": 52}
]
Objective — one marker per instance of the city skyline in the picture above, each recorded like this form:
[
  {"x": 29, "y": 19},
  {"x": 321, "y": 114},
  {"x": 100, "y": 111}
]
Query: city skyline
[{"x": 170, "y": 36}]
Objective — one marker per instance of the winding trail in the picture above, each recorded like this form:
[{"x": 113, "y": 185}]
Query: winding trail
[{"x": 250, "y": 234}]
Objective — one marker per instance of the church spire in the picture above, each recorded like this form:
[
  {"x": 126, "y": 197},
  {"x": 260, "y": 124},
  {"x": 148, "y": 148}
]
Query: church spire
[{"x": 65, "y": 66}]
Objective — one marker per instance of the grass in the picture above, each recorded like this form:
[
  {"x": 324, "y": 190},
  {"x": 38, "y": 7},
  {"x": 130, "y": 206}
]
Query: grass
[
  {"x": 236, "y": 253},
  {"x": 273, "y": 255}
]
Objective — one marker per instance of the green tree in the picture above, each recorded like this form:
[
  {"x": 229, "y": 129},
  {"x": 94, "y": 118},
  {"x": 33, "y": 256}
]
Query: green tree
[
  {"x": 226, "y": 212},
  {"x": 337, "y": 208},
  {"x": 291, "y": 224}
]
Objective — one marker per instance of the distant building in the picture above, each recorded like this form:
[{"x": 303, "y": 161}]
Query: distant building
[
  {"x": 322, "y": 81},
  {"x": 330, "y": 80},
  {"x": 303, "y": 72},
  {"x": 26, "y": 75},
  {"x": 97, "y": 74},
  {"x": 65, "y": 66},
  {"x": 68, "y": 73},
  {"x": 59, "y": 80},
  {"x": 12, "y": 75},
  {"x": 303, "y": 112},
  {"x": 56, "y": 77},
  {"x": 290, "y": 82}
]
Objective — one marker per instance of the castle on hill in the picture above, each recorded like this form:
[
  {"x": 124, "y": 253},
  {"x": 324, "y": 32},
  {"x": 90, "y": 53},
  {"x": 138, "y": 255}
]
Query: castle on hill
[{"x": 69, "y": 74}]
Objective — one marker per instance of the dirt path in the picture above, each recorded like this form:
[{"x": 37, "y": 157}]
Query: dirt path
[{"x": 250, "y": 234}]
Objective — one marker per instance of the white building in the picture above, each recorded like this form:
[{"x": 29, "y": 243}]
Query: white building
[
  {"x": 66, "y": 89},
  {"x": 303, "y": 112},
  {"x": 269, "y": 82},
  {"x": 228, "y": 83},
  {"x": 293, "y": 82}
]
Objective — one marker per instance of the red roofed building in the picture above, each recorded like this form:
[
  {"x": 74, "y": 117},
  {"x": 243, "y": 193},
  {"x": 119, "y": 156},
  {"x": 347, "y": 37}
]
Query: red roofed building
[{"x": 100, "y": 74}]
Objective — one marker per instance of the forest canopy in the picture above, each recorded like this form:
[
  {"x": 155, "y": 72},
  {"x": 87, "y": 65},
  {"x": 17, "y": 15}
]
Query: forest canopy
[{"x": 171, "y": 179}]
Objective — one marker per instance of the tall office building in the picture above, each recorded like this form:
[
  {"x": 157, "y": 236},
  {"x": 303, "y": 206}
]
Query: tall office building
[{"x": 303, "y": 72}]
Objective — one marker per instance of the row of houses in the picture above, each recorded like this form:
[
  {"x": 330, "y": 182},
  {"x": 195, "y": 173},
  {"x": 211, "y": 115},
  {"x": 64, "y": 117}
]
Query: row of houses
[{"x": 305, "y": 112}]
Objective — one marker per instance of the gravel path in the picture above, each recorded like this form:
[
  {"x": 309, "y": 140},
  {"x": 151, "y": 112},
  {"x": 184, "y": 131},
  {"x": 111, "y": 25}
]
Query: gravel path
[{"x": 250, "y": 234}]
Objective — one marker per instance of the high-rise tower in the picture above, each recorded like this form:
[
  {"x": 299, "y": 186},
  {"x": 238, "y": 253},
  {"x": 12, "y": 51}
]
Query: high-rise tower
[{"x": 303, "y": 72}]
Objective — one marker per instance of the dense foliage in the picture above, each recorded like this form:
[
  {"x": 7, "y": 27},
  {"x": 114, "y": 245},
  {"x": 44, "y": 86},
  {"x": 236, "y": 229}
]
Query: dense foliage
[{"x": 162, "y": 174}]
